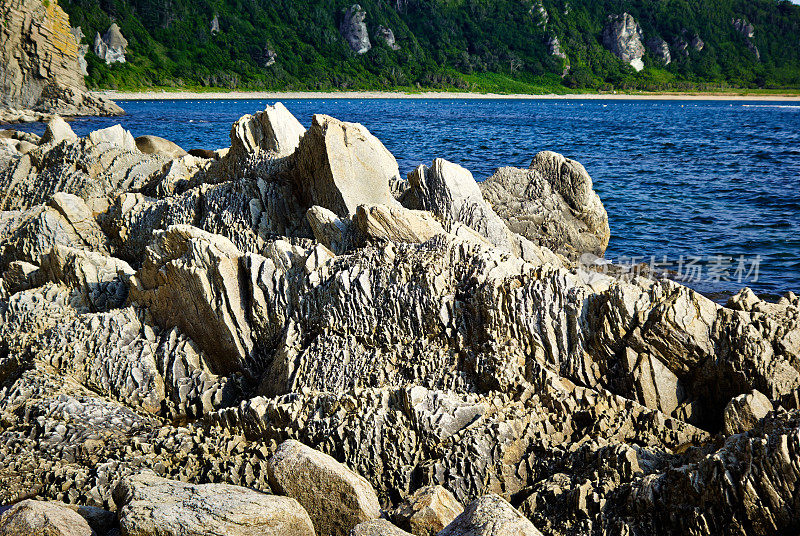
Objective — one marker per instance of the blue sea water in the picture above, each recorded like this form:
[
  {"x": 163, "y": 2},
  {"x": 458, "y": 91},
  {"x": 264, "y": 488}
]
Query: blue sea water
[{"x": 714, "y": 184}]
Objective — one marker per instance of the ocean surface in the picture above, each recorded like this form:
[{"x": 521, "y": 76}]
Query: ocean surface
[{"x": 708, "y": 189}]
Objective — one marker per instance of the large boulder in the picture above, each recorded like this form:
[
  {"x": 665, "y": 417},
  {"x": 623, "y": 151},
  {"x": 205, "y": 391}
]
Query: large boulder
[
  {"x": 150, "y": 505},
  {"x": 29, "y": 517},
  {"x": 57, "y": 130},
  {"x": 427, "y": 511},
  {"x": 622, "y": 35},
  {"x": 155, "y": 145},
  {"x": 354, "y": 29},
  {"x": 744, "y": 411},
  {"x": 450, "y": 192},
  {"x": 552, "y": 203},
  {"x": 396, "y": 224},
  {"x": 275, "y": 130},
  {"x": 377, "y": 527},
  {"x": 490, "y": 515},
  {"x": 660, "y": 50},
  {"x": 340, "y": 166},
  {"x": 195, "y": 280},
  {"x": 336, "y": 498}
]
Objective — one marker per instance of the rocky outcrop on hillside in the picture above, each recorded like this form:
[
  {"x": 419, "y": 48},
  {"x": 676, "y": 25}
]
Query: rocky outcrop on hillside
[
  {"x": 291, "y": 338},
  {"x": 623, "y": 37},
  {"x": 660, "y": 50},
  {"x": 39, "y": 63},
  {"x": 354, "y": 29},
  {"x": 748, "y": 31},
  {"x": 382, "y": 32},
  {"x": 111, "y": 46}
]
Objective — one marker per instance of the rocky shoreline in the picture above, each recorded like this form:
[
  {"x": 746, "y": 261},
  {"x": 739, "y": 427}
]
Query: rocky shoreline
[{"x": 286, "y": 337}]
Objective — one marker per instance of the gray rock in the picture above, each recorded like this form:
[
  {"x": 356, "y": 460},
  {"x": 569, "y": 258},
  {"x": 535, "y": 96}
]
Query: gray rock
[
  {"x": 553, "y": 204},
  {"x": 57, "y": 130},
  {"x": 77, "y": 33},
  {"x": 336, "y": 498},
  {"x": 660, "y": 50},
  {"x": 623, "y": 37},
  {"x": 744, "y": 411},
  {"x": 214, "y": 25},
  {"x": 115, "y": 135},
  {"x": 335, "y": 233},
  {"x": 152, "y": 505},
  {"x": 340, "y": 165},
  {"x": 111, "y": 46},
  {"x": 354, "y": 29},
  {"x": 490, "y": 515},
  {"x": 450, "y": 192},
  {"x": 377, "y": 527},
  {"x": 427, "y": 511},
  {"x": 272, "y": 134},
  {"x": 155, "y": 145},
  {"x": 396, "y": 224},
  {"x": 382, "y": 32},
  {"x": 31, "y": 517}
]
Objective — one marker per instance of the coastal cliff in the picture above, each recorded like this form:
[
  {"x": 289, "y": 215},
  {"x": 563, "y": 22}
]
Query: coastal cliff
[
  {"x": 285, "y": 336},
  {"x": 39, "y": 62}
]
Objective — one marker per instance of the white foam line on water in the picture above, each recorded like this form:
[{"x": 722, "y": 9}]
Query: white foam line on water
[{"x": 793, "y": 106}]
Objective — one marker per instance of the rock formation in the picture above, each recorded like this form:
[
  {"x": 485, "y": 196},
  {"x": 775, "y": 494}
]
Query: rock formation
[
  {"x": 354, "y": 29},
  {"x": 214, "y": 25},
  {"x": 387, "y": 35},
  {"x": 111, "y": 46},
  {"x": 289, "y": 337},
  {"x": 623, "y": 37},
  {"x": 660, "y": 50},
  {"x": 82, "y": 50},
  {"x": 748, "y": 31},
  {"x": 40, "y": 63}
]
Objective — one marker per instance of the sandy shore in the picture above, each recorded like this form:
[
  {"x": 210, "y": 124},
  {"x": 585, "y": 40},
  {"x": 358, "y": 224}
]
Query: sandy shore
[{"x": 238, "y": 95}]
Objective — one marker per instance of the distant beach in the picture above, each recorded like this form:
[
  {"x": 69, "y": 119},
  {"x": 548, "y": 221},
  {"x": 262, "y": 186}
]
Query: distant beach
[{"x": 272, "y": 95}]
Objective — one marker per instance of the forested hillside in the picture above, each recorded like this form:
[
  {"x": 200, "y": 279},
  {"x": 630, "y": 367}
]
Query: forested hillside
[{"x": 504, "y": 45}]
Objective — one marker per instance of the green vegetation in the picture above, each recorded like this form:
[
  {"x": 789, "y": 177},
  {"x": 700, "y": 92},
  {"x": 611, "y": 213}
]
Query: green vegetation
[{"x": 478, "y": 45}]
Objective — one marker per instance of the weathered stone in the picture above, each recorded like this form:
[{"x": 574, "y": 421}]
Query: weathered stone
[
  {"x": 623, "y": 37},
  {"x": 40, "y": 63},
  {"x": 377, "y": 527},
  {"x": 155, "y": 145},
  {"x": 450, "y": 192},
  {"x": 336, "y": 498},
  {"x": 341, "y": 165},
  {"x": 30, "y": 517},
  {"x": 354, "y": 29},
  {"x": 490, "y": 516},
  {"x": 396, "y": 224},
  {"x": 388, "y": 36},
  {"x": 744, "y": 411},
  {"x": 115, "y": 135},
  {"x": 151, "y": 505},
  {"x": 553, "y": 203},
  {"x": 275, "y": 131},
  {"x": 660, "y": 50},
  {"x": 427, "y": 511},
  {"x": 57, "y": 130},
  {"x": 111, "y": 46}
]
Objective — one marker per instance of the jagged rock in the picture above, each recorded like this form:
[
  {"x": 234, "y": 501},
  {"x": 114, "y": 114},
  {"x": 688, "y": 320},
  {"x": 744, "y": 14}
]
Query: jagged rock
[
  {"x": 697, "y": 43},
  {"x": 749, "y": 32},
  {"x": 554, "y": 48},
  {"x": 115, "y": 135},
  {"x": 744, "y": 411},
  {"x": 77, "y": 33},
  {"x": 341, "y": 165},
  {"x": 336, "y": 498},
  {"x": 39, "y": 62},
  {"x": 623, "y": 37},
  {"x": 215, "y": 25},
  {"x": 152, "y": 505},
  {"x": 57, "y": 130},
  {"x": 66, "y": 220},
  {"x": 202, "y": 271},
  {"x": 427, "y": 511},
  {"x": 156, "y": 145},
  {"x": 269, "y": 57},
  {"x": 382, "y": 32},
  {"x": 354, "y": 29},
  {"x": 93, "y": 168},
  {"x": 43, "y": 519},
  {"x": 660, "y": 50},
  {"x": 490, "y": 516},
  {"x": 396, "y": 224},
  {"x": 330, "y": 230},
  {"x": 274, "y": 133},
  {"x": 450, "y": 192},
  {"x": 111, "y": 46},
  {"x": 377, "y": 527},
  {"x": 552, "y": 203}
]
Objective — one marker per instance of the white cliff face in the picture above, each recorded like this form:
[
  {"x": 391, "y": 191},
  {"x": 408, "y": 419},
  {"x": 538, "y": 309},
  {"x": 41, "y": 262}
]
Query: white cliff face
[
  {"x": 354, "y": 29},
  {"x": 660, "y": 50},
  {"x": 623, "y": 37},
  {"x": 111, "y": 46}
]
